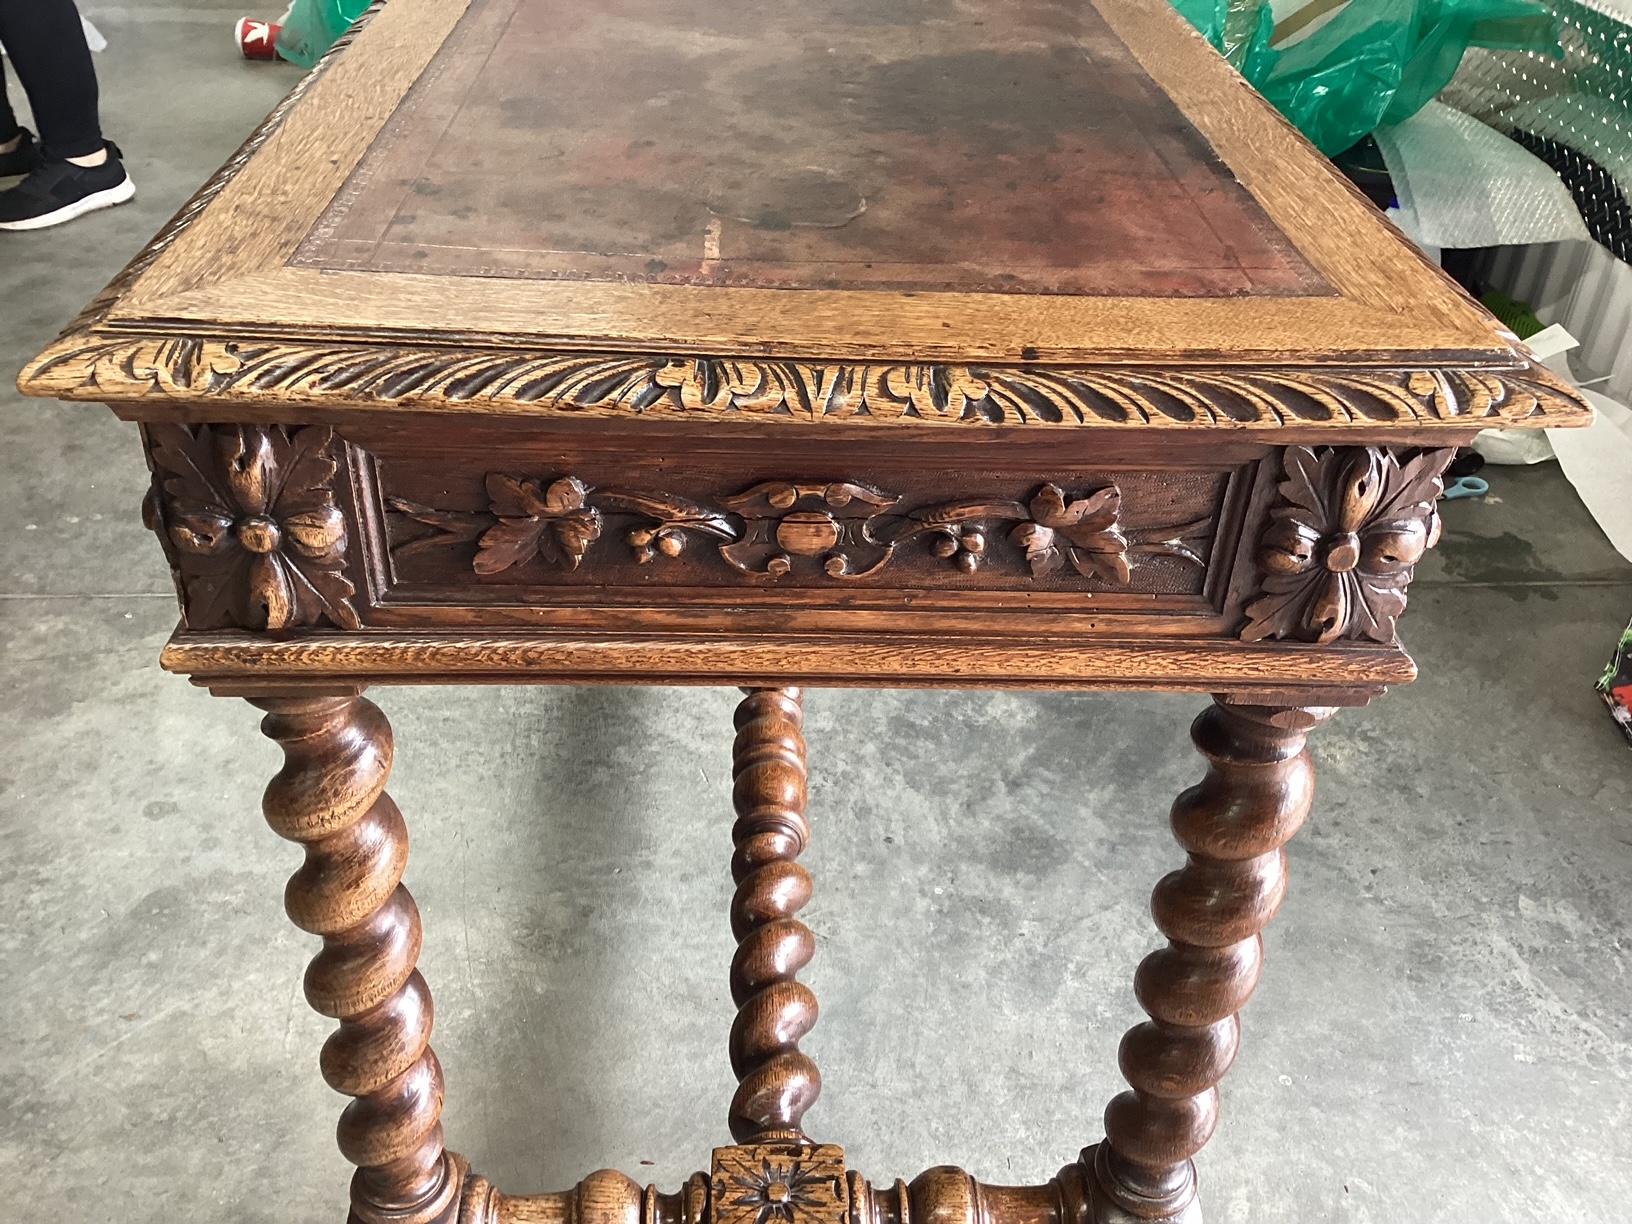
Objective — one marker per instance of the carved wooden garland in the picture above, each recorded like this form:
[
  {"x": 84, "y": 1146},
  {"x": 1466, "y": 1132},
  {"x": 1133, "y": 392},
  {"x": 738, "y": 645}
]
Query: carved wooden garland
[
  {"x": 89, "y": 366},
  {"x": 1343, "y": 544},
  {"x": 839, "y": 530},
  {"x": 251, "y": 524}
]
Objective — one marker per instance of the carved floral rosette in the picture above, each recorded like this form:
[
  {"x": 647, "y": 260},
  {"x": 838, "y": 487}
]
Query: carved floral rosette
[
  {"x": 249, "y": 517},
  {"x": 779, "y": 1183},
  {"x": 1343, "y": 543}
]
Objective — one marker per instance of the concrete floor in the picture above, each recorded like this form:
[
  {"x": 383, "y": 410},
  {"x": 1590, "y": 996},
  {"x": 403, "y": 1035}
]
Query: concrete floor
[{"x": 1444, "y": 1033}]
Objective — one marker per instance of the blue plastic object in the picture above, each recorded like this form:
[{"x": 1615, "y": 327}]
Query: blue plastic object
[{"x": 1465, "y": 486}]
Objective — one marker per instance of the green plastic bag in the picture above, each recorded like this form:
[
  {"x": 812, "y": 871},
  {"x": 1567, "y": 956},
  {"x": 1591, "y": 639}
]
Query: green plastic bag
[
  {"x": 313, "y": 26},
  {"x": 1241, "y": 29},
  {"x": 1376, "y": 62}
]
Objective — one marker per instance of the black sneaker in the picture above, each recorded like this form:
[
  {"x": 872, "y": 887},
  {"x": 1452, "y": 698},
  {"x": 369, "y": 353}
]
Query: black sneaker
[
  {"x": 22, "y": 159},
  {"x": 58, "y": 191}
]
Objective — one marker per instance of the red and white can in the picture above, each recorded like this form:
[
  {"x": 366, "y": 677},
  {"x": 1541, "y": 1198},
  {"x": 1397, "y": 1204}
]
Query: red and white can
[{"x": 257, "y": 40}]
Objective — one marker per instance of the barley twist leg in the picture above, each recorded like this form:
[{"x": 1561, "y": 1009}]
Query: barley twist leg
[
  {"x": 330, "y": 797},
  {"x": 1234, "y": 825},
  {"x": 777, "y": 1083}
]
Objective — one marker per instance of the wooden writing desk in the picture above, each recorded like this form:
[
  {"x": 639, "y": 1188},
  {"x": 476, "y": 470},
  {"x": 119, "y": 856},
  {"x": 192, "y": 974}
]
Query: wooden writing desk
[{"x": 863, "y": 342}]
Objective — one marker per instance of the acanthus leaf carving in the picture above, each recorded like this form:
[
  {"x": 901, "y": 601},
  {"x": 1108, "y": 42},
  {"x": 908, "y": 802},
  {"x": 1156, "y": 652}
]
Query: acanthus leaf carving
[
  {"x": 253, "y": 528},
  {"x": 99, "y": 366},
  {"x": 1343, "y": 544},
  {"x": 1083, "y": 532}
]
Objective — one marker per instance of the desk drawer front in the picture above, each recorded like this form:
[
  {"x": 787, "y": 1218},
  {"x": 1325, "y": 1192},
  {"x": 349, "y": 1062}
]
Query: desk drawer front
[
  {"x": 572, "y": 533},
  {"x": 287, "y": 528}
]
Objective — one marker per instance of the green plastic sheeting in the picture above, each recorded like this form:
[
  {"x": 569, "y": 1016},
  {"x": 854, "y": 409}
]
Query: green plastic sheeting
[
  {"x": 316, "y": 25},
  {"x": 1376, "y": 62}
]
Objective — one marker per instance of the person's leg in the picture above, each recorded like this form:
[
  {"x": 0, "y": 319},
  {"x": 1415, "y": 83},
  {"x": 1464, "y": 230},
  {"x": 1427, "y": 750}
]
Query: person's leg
[
  {"x": 11, "y": 135},
  {"x": 19, "y": 153},
  {"x": 76, "y": 171},
  {"x": 48, "y": 52}
]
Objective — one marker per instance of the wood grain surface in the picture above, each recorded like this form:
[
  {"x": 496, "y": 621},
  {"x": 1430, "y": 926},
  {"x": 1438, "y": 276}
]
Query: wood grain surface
[{"x": 223, "y": 658}]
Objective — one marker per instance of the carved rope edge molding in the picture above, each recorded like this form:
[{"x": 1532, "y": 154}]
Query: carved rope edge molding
[{"x": 87, "y": 365}]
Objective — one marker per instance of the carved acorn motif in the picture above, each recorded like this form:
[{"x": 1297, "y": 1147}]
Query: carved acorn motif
[
  {"x": 1342, "y": 547},
  {"x": 257, "y": 538},
  {"x": 648, "y": 542}
]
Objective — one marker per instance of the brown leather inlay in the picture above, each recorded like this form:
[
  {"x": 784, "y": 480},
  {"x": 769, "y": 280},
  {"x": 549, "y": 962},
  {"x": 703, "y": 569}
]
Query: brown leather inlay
[{"x": 930, "y": 145}]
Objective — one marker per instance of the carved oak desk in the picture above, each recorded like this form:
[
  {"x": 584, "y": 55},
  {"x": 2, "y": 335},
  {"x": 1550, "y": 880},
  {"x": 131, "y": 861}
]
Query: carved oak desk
[{"x": 846, "y": 342}]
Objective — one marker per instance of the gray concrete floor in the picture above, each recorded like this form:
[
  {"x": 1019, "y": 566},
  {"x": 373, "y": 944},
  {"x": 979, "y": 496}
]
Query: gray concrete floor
[{"x": 1444, "y": 1033}]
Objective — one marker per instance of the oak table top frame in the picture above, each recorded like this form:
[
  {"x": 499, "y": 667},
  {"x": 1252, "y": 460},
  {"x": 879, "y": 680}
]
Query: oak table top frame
[{"x": 944, "y": 343}]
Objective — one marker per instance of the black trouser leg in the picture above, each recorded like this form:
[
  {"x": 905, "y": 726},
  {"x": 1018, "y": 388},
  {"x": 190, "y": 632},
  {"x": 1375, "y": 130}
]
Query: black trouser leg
[
  {"x": 8, "y": 121},
  {"x": 48, "y": 52}
]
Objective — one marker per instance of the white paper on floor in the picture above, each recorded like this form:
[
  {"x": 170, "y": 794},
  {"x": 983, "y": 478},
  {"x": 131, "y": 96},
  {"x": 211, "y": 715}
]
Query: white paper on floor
[
  {"x": 1521, "y": 446},
  {"x": 1598, "y": 462}
]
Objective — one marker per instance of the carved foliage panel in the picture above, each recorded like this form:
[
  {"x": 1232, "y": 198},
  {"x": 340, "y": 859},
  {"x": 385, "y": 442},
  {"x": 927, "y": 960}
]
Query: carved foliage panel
[
  {"x": 561, "y": 526},
  {"x": 259, "y": 537},
  {"x": 261, "y": 529}
]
